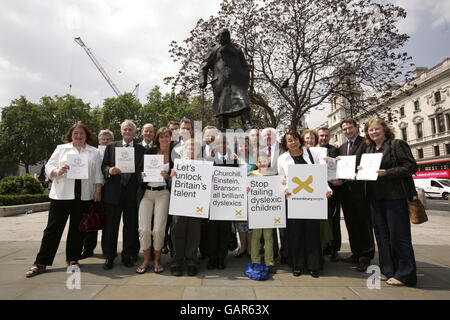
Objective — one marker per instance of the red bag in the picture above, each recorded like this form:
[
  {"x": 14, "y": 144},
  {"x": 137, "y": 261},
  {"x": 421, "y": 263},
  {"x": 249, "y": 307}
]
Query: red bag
[{"x": 94, "y": 220}]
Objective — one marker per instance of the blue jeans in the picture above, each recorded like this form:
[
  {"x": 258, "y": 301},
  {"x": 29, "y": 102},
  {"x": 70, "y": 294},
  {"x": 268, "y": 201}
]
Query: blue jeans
[{"x": 393, "y": 234}]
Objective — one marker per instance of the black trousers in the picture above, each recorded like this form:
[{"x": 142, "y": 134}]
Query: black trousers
[
  {"x": 218, "y": 235},
  {"x": 334, "y": 213},
  {"x": 130, "y": 233},
  {"x": 59, "y": 212},
  {"x": 359, "y": 226},
  {"x": 89, "y": 240},
  {"x": 185, "y": 233},
  {"x": 393, "y": 233},
  {"x": 305, "y": 248}
]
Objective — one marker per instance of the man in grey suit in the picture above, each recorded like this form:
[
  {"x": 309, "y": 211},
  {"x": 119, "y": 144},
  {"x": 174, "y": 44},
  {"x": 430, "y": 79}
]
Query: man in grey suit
[{"x": 121, "y": 197}]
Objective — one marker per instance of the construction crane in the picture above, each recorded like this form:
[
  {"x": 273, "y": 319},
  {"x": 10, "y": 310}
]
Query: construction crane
[{"x": 103, "y": 72}]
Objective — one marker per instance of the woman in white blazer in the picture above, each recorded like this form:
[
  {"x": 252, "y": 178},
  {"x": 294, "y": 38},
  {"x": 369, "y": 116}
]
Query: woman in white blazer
[
  {"x": 68, "y": 197},
  {"x": 304, "y": 245}
]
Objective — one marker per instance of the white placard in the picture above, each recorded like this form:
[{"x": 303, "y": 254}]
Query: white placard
[
  {"x": 308, "y": 187},
  {"x": 370, "y": 163},
  {"x": 153, "y": 165},
  {"x": 191, "y": 188},
  {"x": 78, "y": 166},
  {"x": 125, "y": 159},
  {"x": 266, "y": 203},
  {"x": 331, "y": 169},
  {"x": 229, "y": 194},
  {"x": 345, "y": 168}
]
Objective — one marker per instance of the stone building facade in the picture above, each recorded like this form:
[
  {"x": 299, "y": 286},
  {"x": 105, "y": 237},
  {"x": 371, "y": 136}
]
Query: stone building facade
[{"x": 419, "y": 111}]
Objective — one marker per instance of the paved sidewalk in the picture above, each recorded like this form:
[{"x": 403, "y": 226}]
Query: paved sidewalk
[{"x": 20, "y": 240}]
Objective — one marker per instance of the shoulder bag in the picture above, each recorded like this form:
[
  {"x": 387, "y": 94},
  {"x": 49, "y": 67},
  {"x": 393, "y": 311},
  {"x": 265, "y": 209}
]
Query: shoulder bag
[{"x": 416, "y": 209}]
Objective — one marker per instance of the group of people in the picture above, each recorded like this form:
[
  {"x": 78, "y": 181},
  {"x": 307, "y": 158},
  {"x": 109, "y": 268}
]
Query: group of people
[{"x": 378, "y": 207}]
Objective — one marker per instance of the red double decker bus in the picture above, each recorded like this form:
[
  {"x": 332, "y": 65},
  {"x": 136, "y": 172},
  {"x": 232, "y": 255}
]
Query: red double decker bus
[{"x": 433, "y": 169}]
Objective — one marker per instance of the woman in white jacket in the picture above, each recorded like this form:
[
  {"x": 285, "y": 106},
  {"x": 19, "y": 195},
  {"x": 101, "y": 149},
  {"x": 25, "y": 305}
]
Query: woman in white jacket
[
  {"x": 68, "y": 197},
  {"x": 304, "y": 245}
]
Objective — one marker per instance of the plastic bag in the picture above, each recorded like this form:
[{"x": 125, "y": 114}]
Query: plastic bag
[{"x": 255, "y": 271}]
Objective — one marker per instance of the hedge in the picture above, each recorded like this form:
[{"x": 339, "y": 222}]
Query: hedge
[
  {"x": 12, "y": 200},
  {"x": 25, "y": 184}
]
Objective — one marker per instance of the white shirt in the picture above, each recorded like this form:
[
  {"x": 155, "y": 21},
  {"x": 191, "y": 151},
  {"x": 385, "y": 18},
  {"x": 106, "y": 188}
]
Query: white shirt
[
  {"x": 144, "y": 144},
  {"x": 63, "y": 188}
]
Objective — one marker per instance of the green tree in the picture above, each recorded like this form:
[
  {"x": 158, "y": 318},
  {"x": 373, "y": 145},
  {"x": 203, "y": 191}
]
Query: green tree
[
  {"x": 21, "y": 132},
  {"x": 59, "y": 114},
  {"x": 116, "y": 110}
]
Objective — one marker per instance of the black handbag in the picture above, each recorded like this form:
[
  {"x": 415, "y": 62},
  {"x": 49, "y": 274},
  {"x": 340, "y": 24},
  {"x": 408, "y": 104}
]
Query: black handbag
[{"x": 93, "y": 220}]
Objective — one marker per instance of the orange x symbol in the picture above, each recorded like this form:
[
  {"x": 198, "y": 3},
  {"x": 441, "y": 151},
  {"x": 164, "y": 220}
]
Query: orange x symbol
[
  {"x": 238, "y": 212},
  {"x": 199, "y": 209},
  {"x": 303, "y": 185},
  {"x": 276, "y": 220}
]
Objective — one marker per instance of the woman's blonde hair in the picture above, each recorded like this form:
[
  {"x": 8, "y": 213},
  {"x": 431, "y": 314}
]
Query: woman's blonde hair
[{"x": 388, "y": 131}]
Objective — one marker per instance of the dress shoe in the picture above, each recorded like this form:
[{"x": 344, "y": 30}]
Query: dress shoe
[
  {"x": 127, "y": 263},
  {"x": 350, "y": 259},
  {"x": 86, "y": 254},
  {"x": 192, "y": 271},
  {"x": 297, "y": 273},
  {"x": 272, "y": 269},
  {"x": 212, "y": 264},
  {"x": 314, "y": 273},
  {"x": 109, "y": 263},
  {"x": 176, "y": 271},
  {"x": 334, "y": 256},
  {"x": 361, "y": 267}
]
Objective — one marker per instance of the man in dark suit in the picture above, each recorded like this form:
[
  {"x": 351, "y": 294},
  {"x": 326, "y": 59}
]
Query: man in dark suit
[
  {"x": 334, "y": 205},
  {"x": 355, "y": 203},
  {"x": 121, "y": 197}
]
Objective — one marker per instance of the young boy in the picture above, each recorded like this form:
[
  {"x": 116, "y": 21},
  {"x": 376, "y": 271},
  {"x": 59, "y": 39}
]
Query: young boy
[{"x": 263, "y": 163}]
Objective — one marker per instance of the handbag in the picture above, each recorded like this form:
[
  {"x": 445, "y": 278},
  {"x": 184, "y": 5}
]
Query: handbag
[
  {"x": 416, "y": 210},
  {"x": 256, "y": 271},
  {"x": 94, "y": 219}
]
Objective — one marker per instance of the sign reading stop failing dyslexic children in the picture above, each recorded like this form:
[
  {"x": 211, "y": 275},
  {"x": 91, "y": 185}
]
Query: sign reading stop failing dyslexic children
[
  {"x": 191, "y": 188},
  {"x": 266, "y": 203},
  {"x": 228, "y": 194}
]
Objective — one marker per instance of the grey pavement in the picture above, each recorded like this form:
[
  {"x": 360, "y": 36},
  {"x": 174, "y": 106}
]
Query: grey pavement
[{"x": 20, "y": 240}]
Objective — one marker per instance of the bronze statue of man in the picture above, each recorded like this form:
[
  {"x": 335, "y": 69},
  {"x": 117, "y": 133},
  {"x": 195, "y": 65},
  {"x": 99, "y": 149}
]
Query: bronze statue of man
[{"x": 230, "y": 81}]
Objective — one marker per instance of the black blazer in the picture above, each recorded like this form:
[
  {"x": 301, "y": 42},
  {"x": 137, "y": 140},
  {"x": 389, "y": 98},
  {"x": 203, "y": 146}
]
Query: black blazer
[
  {"x": 143, "y": 185},
  {"x": 354, "y": 189},
  {"x": 113, "y": 187},
  {"x": 400, "y": 165}
]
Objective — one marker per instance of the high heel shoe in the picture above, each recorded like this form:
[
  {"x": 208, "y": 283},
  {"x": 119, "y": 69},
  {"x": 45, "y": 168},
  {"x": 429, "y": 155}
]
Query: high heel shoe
[{"x": 314, "y": 273}]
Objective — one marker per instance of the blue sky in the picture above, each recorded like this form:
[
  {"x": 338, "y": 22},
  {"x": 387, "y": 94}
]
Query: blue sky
[{"x": 131, "y": 39}]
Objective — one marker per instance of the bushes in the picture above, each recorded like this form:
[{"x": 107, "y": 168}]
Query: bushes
[
  {"x": 11, "y": 200},
  {"x": 25, "y": 184},
  {"x": 21, "y": 190}
]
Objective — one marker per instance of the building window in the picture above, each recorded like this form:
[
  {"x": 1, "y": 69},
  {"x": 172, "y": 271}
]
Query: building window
[
  {"x": 419, "y": 130},
  {"x": 441, "y": 122},
  {"x": 433, "y": 126},
  {"x": 448, "y": 120},
  {"x": 420, "y": 153},
  {"x": 402, "y": 111},
  {"x": 436, "y": 151},
  {"x": 416, "y": 105},
  {"x": 404, "y": 134},
  {"x": 447, "y": 148},
  {"x": 437, "y": 96}
]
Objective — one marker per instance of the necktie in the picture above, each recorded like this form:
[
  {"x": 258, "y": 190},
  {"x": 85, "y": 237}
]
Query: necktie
[
  {"x": 350, "y": 145},
  {"x": 125, "y": 176},
  {"x": 270, "y": 152}
]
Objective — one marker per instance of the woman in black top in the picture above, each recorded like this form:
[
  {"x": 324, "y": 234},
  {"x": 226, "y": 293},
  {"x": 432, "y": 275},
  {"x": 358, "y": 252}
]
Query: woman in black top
[{"x": 388, "y": 195}]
